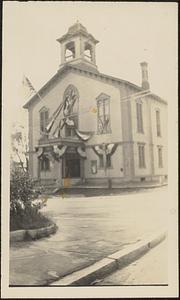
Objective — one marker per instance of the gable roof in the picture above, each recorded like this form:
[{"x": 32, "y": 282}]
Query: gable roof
[{"x": 88, "y": 72}]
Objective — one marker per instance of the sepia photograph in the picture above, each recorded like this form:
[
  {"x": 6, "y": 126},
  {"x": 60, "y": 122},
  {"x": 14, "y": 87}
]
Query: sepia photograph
[{"x": 89, "y": 132}]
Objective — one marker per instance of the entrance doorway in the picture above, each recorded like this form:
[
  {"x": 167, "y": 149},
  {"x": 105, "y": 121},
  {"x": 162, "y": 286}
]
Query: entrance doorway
[{"x": 71, "y": 166}]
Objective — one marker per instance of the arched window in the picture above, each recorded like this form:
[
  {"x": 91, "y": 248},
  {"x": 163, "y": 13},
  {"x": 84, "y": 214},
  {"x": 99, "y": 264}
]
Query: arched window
[{"x": 45, "y": 164}]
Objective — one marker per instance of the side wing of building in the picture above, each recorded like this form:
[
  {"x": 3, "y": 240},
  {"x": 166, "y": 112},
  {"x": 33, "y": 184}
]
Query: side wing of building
[{"x": 146, "y": 135}]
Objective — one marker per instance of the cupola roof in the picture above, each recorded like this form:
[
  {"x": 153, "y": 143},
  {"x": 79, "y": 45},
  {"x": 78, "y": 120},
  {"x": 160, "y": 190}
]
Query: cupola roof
[{"x": 77, "y": 29}]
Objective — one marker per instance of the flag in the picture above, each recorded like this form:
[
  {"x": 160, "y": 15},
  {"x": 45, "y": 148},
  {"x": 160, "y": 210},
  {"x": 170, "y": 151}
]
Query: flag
[
  {"x": 54, "y": 117},
  {"x": 28, "y": 88},
  {"x": 27, "y": 83}
]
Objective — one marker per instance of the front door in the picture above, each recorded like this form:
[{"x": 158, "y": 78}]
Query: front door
[{"x": 71, "y": 166}]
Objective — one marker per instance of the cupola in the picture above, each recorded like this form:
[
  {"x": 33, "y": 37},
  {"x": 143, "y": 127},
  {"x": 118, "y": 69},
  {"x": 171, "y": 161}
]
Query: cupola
[{"x": 78, "y": 47}]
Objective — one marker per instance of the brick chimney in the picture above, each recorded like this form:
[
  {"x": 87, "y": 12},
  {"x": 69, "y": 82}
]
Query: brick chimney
[{"x": 144, "y": 69}]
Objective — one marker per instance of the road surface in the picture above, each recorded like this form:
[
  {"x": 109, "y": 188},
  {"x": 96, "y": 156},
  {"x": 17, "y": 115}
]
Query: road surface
[{"x": 89, "y": 229}]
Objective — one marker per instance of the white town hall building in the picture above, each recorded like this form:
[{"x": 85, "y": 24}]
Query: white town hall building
[{"x": 86, "y": 127}]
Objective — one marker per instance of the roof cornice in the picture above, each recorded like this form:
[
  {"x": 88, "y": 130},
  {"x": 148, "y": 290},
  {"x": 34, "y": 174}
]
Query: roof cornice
[
  {"x": 96, "y": 75},
  {"x": 68, "y": 36}
]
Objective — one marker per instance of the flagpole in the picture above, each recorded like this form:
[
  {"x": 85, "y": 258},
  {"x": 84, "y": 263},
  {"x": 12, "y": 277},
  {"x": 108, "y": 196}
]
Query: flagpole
[{"x": 38, "y": 95}]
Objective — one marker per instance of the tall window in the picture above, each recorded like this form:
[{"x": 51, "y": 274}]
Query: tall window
[
  {"x": 45, "y": 164},
  {"x": 108, "y": 161},
  {"x": 101, "y": 161},
  {"x": 44, "y": 116},
  {"x": 103, "y": 106},
  {"x": 139, "y": 117},
  {"x": 158, "y": 125},
  {"x": 141, "y": 152},
  {"x": 160, "y": 157}
]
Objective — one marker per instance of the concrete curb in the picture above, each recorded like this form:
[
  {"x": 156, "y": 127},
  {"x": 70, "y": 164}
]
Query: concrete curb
[
  {"x": 111, "y": 263},
  {"x": 32, "y": 234}
]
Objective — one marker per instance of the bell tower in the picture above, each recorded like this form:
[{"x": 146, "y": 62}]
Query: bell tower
[{"x": 78, "y": 47}]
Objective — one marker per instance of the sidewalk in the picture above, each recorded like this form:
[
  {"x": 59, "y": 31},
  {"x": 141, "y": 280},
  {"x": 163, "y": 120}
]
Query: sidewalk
[{"x": 150, "y": 269}]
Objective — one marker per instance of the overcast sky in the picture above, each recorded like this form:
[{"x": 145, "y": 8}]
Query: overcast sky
[{"x": 129, "y": 33}]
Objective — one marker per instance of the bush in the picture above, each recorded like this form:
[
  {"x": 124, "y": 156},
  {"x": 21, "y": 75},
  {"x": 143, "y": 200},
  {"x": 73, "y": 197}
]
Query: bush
[{"x": 24, "y": 203}]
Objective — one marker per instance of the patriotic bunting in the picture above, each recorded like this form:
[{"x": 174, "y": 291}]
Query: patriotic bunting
[
  {"x": 81, "y": 152},
  {"x": 55, "y": 125},
  {"x": 98, "y": 150},
  {"x": 105, "y": 150},
  {"x": 82, "y": 135},
  {"x": 59, "y": 151},
  {"x": 54, "y": 117},
  {"x": 109, "y": 149},
  {"x": 39, "y": 151}
]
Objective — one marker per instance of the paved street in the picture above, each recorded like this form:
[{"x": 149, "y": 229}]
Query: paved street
[
  {"x": 89, "y": 230},
  {"x": 149, "y": 269}
]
